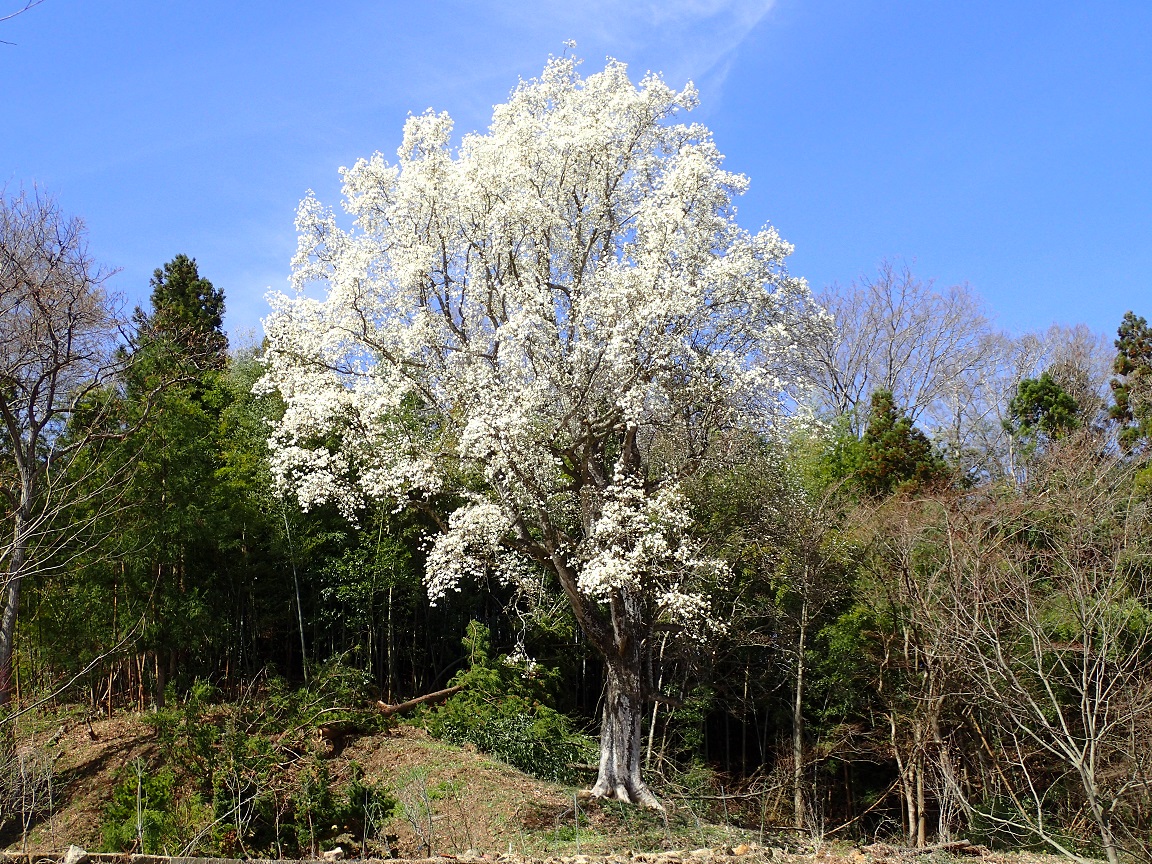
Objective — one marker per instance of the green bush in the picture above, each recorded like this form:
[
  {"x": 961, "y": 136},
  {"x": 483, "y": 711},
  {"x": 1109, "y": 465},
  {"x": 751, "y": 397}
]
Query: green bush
[
  {"x": 141, "y": 817},
  {"x": 316, "y": 807},
  {"x": 227, "y": 765},
  {"x": 504, "y": 711}
]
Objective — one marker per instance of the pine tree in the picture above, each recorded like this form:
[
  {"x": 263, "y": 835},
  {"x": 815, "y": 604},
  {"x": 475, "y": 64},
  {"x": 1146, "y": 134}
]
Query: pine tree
[
  {"x": 1042, "y": 409},
  {"x": 188, "y": 313},
  {"x": 893, "y": 454},
  {"x": 1132, "y": 386},
  {"x": 174, "y": 535}
]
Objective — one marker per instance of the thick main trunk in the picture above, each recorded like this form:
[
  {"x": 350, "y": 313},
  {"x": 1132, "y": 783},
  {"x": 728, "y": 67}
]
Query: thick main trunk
[
  {"x": 620, "y": 735},
  {"x": 8, "y": 637},
  {"x": 621, "y": 634}
]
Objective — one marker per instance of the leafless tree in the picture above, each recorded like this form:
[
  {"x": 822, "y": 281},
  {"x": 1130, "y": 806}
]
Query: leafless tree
[
  {"x": 909, "y": 585},
  {"x": 896, "y": 332},
  {"x": 970, "y": 422},
  {"x": 946, "y": 365},
  {"x": 21, "y": 10},
  {"x": 1081, "y": 362},
  {"x": 59, "y": 332},
  {"x": 1056, "y": 621},
  {"x": 28, "y": 5}
]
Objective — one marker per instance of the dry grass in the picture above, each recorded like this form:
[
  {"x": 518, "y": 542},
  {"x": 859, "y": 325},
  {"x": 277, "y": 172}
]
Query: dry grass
[{"x": 456, "y": 802}]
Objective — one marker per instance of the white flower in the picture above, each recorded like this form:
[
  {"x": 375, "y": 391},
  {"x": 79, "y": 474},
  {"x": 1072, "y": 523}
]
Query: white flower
[{"x": 563, "y": 310}]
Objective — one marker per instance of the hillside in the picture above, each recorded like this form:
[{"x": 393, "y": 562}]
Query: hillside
[{"x": 451, "y": 802}]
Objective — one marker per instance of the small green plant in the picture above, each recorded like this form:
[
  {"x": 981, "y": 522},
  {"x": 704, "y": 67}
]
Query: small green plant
[
  {"x": 367, "y": 809},
  {"x": 140, "y": 817},
  {"x": 318, "y": 812},
  {"x": 187, "y": 737},
  {"x": 503, "y": 710},
  {"x": 236, "y": 768}
]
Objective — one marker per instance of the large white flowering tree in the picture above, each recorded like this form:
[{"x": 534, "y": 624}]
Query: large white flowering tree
[{"x": 554, "y": 325}]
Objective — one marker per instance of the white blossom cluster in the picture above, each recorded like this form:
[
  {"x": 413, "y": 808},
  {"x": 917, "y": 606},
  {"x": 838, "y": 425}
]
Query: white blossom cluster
[
  {"x": 572, "y": 277},
  {"x": 641, "y": 542}
]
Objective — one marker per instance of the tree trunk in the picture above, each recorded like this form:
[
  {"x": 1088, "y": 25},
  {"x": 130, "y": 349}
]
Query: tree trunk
[
  {"x": 620, "y": 736},
  {"x": 655, "y": 705},
  {"x": 391, "y": 647},
  {"x": 161, "y": 682},
  {"x": 7, "y": 638},
  {"x": 798, "y": 723},
  {"x": 921, "y": 809},
  {"x": 12, "y": 603},
  {"x": 622, "y": 638}
]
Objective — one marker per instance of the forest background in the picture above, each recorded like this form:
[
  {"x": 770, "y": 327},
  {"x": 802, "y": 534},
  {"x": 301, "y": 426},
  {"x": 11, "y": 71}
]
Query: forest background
[
  {"x": 934, "y": 605},
  {"x": 960, "y": 482}
]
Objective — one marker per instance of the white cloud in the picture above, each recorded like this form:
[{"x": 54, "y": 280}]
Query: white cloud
[{"x": 683, "y": 39}]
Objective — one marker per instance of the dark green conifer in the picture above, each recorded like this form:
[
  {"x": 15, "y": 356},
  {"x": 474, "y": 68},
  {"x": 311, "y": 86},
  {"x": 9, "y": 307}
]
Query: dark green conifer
[
  {"x": 894, "y": 454},
  {"x": 188, "y": 313},
  {"x": 1042, "y": 408},
  {"x": 1132, "y": 387}
]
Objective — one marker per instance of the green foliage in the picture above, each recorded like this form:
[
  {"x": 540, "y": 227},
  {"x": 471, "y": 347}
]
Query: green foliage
[
  {"x": 186, "y": 737},
  {"x": 895, "y": 456},
  {"x": 316, "y": 806},
  {"x": 245, "y": 762},
  {"x": 141, "y": 815},
  {"x": 842, "y": 679},
  {"x": 504, "y": 711},
  {"x": 994, "y": 822},
  {"x": 1042, "y": 410},
  {"x": 188, "y": 310},
  {"x": 1132, "y": 386}
]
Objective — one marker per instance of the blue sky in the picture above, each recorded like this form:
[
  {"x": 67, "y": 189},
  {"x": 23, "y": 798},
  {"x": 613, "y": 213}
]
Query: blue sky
[{"x": 1007, "y": 145}]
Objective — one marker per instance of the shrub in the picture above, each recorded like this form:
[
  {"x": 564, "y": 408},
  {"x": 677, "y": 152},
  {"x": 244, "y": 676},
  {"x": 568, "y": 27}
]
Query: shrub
[
  {"x": 503, "y": 711},
  {"x": 140, "y": 816}
]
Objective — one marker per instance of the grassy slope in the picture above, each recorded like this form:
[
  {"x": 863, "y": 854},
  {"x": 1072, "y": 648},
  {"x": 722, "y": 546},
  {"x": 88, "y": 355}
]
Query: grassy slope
[{"x": 461, "y": 798}]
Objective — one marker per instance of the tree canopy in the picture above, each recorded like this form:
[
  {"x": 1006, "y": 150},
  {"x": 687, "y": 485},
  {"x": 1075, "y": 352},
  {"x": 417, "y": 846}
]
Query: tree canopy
[{"x": 556, "y": 325}]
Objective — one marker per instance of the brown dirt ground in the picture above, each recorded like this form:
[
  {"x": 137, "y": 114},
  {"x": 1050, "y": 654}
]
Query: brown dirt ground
[{"x": 474, "y": 803}]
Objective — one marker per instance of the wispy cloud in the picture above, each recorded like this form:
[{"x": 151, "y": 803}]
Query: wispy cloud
[{"x": 683, "y": 39}]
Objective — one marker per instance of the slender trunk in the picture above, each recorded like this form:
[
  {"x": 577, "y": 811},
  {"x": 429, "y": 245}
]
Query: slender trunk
[
  {"x": 655, "y": 705},
  {"x": 620, "y": 736},
  {"x": 7, "y": 637},
  {"x": 921, "y": 810},
  {"x": 141, "y": 692},
  {"x": 160, "y": 681},
  {"x": 1101, "y": 817},
  {"x": 904, "y": 771},
  {"x": 391, "y": 650},
  {"x": 798, "y": 723},
  {"x": 12, "y": 601},
  {"x": 651, "y": 735},
  {"x": 744, "y": 720}
]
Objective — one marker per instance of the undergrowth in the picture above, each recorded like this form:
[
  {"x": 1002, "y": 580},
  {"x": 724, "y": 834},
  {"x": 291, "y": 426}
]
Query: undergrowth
[
  {"x": 248, "y": 778},
  {"x": 505, "y": 710}
]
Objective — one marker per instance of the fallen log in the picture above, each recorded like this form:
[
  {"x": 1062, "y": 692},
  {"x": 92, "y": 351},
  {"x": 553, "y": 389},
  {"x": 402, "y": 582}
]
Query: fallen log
[{"x": 388, "y": 710}]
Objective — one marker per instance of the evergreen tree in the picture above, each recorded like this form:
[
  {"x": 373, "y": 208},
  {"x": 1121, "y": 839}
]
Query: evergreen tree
[
  {"x": 1132, "y": 386},
  {"x": 188, "y": 312},
  {"x": 893, "y": 454},
  {"x": 1042, "y": 409}
]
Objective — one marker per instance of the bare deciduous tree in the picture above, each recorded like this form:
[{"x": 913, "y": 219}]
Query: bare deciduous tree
[
  {"x": 1057, "y": 622},
  {"x": 895, "y": 332},
  {"x": 58, "y": 348},
  {"x": 28, "y": 5},
  {"x": 909, "y": 589},
  {"x": 946, "y": 365}
]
